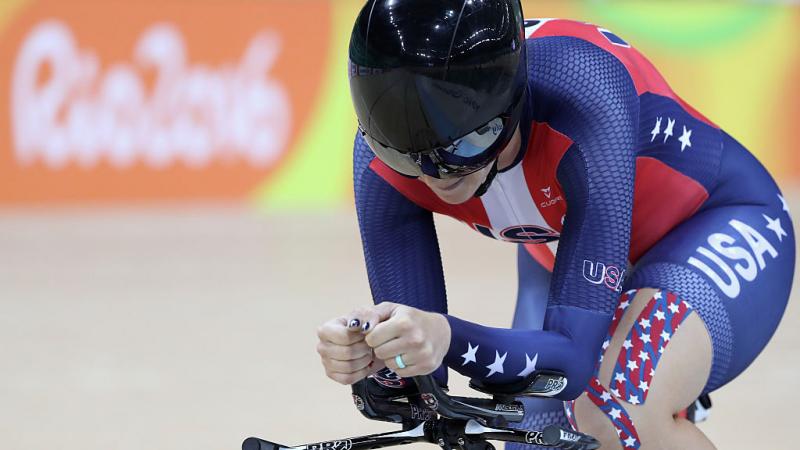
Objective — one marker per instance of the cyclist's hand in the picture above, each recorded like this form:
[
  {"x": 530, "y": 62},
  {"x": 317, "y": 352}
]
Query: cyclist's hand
[
  {"x": 421, "y": 338},
  {"x": 345, "y": 355}
]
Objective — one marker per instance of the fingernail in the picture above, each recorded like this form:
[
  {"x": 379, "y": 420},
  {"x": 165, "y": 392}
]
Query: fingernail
[
  {"x": 365, "y": 327},
  {"x": 354, "y": 323}
]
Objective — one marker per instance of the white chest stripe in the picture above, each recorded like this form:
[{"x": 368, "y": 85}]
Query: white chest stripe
[{"x": 508, "y": 202}]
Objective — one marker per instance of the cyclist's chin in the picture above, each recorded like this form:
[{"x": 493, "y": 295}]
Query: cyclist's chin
[
  {"x": 455, "y": 198},
  {"x": 455, "y": 191}
]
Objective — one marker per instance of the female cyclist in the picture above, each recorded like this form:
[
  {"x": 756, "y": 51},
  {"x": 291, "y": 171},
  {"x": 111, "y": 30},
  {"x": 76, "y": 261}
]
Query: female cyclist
[{"x": 675, "y": 247}]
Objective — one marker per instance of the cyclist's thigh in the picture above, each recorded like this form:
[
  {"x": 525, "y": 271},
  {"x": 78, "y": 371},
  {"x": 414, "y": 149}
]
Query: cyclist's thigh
[
  {"x": 734, "y": 265},
  {"x": 731, "y": 265},
  {"x": 656, "y": 362}
]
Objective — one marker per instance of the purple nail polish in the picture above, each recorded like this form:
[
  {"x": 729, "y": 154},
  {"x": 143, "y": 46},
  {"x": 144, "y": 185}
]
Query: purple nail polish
[
  {"x": 354, "y": 323},
  {"x": 365, "y": 327}
]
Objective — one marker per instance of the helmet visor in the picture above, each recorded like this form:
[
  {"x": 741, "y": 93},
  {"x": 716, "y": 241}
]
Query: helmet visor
[{"x": 464, "y": 156}]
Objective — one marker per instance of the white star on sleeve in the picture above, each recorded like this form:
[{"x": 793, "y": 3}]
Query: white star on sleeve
[
  {"x": 630, "y": 442},
  {"x": 775, "y": 225},
  {"x": 645, "y": 338},
  {"x": 627, "y": 344},
  {"x": 659, "y": 315},
  {"x": 643, "y": 386},
  {"x": 632, "y": 365},
  {"x": 686, "y": 138},
  {"x": 644, "y": 323},
  {"x": 657, "y": 295},
  {"x": 673, "y": 308},
  {"x": 783, "y": 203},
  {"x": 668, "y": 131},
  {"x": 605, "y": 396},
  {"x": 657, "y": 129},
  {"x": 470, "y": 355},
  {"x": 497, "y": 365},
  {"x": 530, "y": 365},
  {"x": 644, "y": 356},
  {"x": 615, "y": 413},
  {"x": 633, "y": 400},
  {"x": 619, "y": 377},
  {"x": 665, "y": 336}
]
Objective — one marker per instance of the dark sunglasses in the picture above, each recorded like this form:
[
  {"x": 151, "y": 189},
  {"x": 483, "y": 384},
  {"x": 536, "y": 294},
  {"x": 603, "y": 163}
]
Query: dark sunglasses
[{"x": 464, "y": 156}]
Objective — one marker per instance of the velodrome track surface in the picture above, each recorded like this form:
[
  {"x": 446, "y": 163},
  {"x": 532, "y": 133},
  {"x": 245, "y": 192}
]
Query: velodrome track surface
[{"x": 193, "y": 327}]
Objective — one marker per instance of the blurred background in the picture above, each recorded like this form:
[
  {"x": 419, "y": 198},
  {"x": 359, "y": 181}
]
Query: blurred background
[{"x": 176, "y": 211}]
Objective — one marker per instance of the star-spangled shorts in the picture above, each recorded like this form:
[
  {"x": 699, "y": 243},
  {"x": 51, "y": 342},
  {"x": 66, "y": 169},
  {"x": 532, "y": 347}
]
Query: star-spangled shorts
[{"x": 734, "y": 264}]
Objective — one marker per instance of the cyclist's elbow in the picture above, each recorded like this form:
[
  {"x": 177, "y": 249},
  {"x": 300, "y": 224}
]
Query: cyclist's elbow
[
  {"x": 580, "y": 368},
  {"x": 578, "y": 377}
]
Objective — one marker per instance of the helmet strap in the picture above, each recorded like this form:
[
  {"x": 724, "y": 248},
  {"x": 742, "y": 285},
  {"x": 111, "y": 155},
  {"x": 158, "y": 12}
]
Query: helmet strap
[{"x": 488, "y": 182}]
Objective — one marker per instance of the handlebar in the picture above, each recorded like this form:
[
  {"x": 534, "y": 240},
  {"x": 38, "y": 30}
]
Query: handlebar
[
  {"x": 470, "y": 436},
  {"x": 429, "y": 414},
  {"x": 491, "y": 412}
]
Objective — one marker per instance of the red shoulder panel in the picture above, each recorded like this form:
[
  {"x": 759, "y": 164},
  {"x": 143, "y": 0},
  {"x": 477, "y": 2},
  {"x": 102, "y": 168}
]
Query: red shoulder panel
[{"x": 645, "y": 76}]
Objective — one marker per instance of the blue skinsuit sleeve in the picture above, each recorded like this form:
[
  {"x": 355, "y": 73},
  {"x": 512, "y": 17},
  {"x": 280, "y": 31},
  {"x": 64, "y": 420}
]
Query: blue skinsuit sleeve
[
  {"x": 533, "y": 283},
  {"x": 588, "y": 95},
  {"x": 399, "y": 239}
]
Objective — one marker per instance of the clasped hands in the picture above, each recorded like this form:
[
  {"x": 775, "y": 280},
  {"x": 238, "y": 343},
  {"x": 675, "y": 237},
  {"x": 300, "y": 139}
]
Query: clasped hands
[{"x": 407, "y": 340}]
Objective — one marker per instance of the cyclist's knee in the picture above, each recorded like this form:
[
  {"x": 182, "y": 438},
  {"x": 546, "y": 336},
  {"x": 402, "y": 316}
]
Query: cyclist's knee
[
  {"x": 593, "y": 421},
  {"x": 655, "y": 364},
  {"x": 638, "y": 428},
  {"x": 660, "y": 353}
]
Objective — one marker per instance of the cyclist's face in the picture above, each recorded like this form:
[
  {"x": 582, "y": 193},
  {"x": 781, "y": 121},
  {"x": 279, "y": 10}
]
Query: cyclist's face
[{"x": 458, "y": 190}]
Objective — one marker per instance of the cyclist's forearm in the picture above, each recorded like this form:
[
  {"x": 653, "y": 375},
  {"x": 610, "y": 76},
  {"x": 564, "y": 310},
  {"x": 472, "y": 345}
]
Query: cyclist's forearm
[{"x": 569, "y": 344}]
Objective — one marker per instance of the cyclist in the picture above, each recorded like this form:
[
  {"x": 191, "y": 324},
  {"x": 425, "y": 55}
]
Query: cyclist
[{"x": 675, "y": 247}]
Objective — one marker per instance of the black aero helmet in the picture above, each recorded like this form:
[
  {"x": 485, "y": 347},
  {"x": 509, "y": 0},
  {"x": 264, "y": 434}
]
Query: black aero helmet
[{"x": 438, "y": 85}]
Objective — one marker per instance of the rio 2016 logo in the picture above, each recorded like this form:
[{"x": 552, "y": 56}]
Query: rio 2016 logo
[
  {"x": 599, "y": 273},
  {"x": 160, "y": 110}
]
